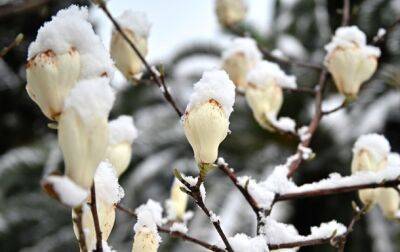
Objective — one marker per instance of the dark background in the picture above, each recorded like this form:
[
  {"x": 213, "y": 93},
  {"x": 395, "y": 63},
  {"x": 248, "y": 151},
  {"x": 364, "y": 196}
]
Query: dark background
[{"x": 30, "y": 221}]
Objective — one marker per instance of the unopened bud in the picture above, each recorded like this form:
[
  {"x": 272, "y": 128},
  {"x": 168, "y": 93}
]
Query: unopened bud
[{"x": 230, "y": 12}]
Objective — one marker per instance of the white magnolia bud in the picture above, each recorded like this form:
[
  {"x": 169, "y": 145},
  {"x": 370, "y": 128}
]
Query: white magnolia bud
[
  {"x": 146, "y": 236},
  {"x": 241, "y": 56},
  {"x": 230, "y": 12},
  {"x": 136, "y": 26},
  {"x": 122, "y": 132},
  {"x": 50, "y": 77},
  {"x": 106, "y": 215},
  {"x": 177, "y": 202},
  {"x": 206, "y": 120},
  {"x": 370, "y": 153},
  {"x": 350, "y": 61},
  {"x": 83, "y": 129},
  {"x": 389, "y": 201},
  {"x": 264, "y": 92}
]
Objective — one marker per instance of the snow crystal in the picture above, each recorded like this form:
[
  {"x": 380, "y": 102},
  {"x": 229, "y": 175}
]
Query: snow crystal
[
  {"x": 214, "y": 217},
  {"x": 284, "y": 123},
  {"x": 265, "y": 70},
  {"x": 246, "y": 46},
  {"x": 152, "y": 207},
  {"x": 91, "y": 98},
  {"x": 278, "y": 233},
  {"x": 69, "y": 193},
  {"x": 121, "y": 130},
  {"x": 348, "y": 37},
  {"x": 135, "y": 21},
  {"x": 243, "y": 243},
  {"x": 106, "y": 182},
  {"x": 179, "y": 227},
  {"x": 70, "y": 29},
  {"x": 376, "y": 144},
  {"x": 214, "y": 84}
]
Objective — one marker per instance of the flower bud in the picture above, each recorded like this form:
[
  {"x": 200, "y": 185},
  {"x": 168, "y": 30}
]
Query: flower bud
[
  {"x": 146, "y": 236},
  {"x": 230, "y": 12},
  {"x": 389, "y": 201},
  {"x": 136, "y": 26},
  {"x": 264, "y": 92},
  {"x": 177, "y": 202},
  {"x": 108, "y": 193},
  {"x": 83, "y": 129},
  {"x": 206, "y": 120},
  {"x": 370, "y": 153},
  {"x": 122, "y": 132},
  {"x": 50, "y": 77},
  {"x": 239, "y": 58},
  {"x": 350, "y": 60}
]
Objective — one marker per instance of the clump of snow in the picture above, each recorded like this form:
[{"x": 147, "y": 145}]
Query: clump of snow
[
  {"x": 350, "y": 37},
  {"x": 246, "y": 46},
  {"x": 153, "y": 208},
  {"x": 203, "y": 192},
  {"x": 244, "y": 243},
  {"x": 261, "y": 195},
  {"x": 221, "y": 161},
  {"x": 179, "y": 227},
  {"x": 279, "y": 233},
  {"x": 394, "y": 159},
  {"x": 214, "y": 84},
  {"x": 191, "y": 180},
  {"x": 145, "y": 220},
  {"x": 375, "y": 143},
  {"x": 91, "y": 98},
  {"x": 381, "y": 32},
  {"x": 214, "y": 217},
  {"x": 70, "y": 29},
  {"x": 265, "y": 70},
  {"x": 135, "y": 21},
  {"x": 304, "y": 133},
  {"x": 283, "y": 123},
  {"x": 106, "y": 182},
  {"x": 306, "y": 153},
  {"x": 69, "y": 193},
  {"x": 121, "y": 130},
  {"x": 107, "y": 248}
]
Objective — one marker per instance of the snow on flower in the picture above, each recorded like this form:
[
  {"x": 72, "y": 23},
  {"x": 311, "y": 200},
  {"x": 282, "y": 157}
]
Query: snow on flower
[
  {"x": 135, "y": 21},
  {"x": 155, "y": 210},
  {"x": 107, "y": 186},
  {"x": 122, "y": 129},
  {"x": 244, "y": 243},
  {"x": 265, "y": 70}
]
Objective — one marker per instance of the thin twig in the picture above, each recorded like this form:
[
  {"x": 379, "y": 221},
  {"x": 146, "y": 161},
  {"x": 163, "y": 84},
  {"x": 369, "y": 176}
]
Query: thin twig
[
  {"x": 18, "y": 39},
  {"x": 156, "y": 76},
  {"x": 301, "y": 90},
  {"x": 296, "y": 244},
  {"x": 174, "y": 234},
  {"x": 93, "y": 208},
  {"x": 346, "y": 12},
  {"x": 81, "y": 235}
]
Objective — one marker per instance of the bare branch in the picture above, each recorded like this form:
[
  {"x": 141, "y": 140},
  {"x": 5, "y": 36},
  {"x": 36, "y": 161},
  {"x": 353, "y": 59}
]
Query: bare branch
[
  {"x": 346, "y": 13},
  {"x": 93, "y": 208},
  {"x": 18, "y": 39},
  {"x": 81, "y": 235}
]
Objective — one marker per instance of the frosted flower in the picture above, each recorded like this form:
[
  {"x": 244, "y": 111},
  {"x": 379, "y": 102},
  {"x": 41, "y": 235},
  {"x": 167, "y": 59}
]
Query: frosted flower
[
  {"x": 146, "y": 236},
  {"x": 264, "y": 92},
  {"x": 122, "y": 132},
  {"x": 206, "y": 120},
  {"x": 83, "y": 129},
  {"x": 230, "y": 12},
  {"x": 136, "y": 26},
  {"x": 237, "y": 60},
  {"x": 50, "y": 77},
  {"x": 370, "y": 153},
  {"x": 350, "y": 60},
  {"x": 177, "y": 202}
]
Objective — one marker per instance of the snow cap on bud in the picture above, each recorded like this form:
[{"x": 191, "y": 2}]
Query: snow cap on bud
[
  {"x": 176, "y": 204},
  {"x": 206, "y": 120},
  {"x": 230, "y": 12},
  {"x": 136, "y": 26},
  {"x": 108, "y": 193},
  {"x": 83, "y": 129},
  {"x": 264, "y": 92},
  {"x": 122, "y": 132},
  {"x": 50, "y": 78},
  {"x": 241, "y": 56},
  {"x": 350, "y": 60},
  {"x": 370, "y": 153}
]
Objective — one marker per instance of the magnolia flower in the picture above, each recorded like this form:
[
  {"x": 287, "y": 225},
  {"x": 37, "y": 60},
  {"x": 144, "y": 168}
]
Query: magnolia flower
[
  {"x": 264, "y": 92},
  {"x": 370, "y": 153},
  {"x": 83, "y": 129},
  {"x": 136, "y": 27},
  {"x": 122, "y": 132},
  {"x": 146, "y": 236},
  {"x": 350, "y": 60},
  {"x": 230, "y": 12},
  {"x": 108, "y": 193},
  {"x": 177, "y": 202},
  {"x": 50, "y": 77},
  {"x": 241, "y": 56},
  {"x": 206, "y": 120}
]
